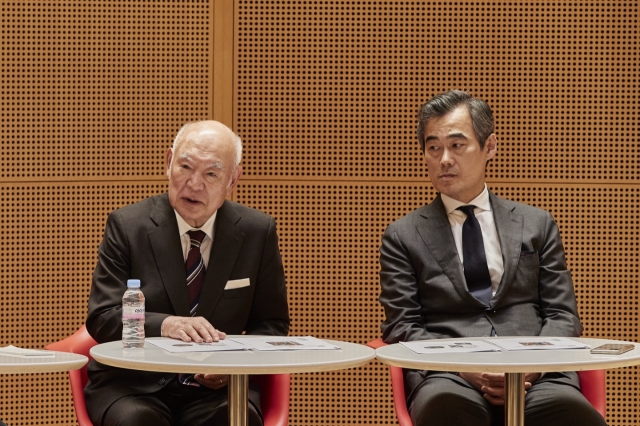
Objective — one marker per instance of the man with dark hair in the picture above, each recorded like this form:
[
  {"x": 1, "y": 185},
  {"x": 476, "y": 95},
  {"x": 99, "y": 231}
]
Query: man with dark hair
[
  {"x": 515, "y": 282},
  {"x": 235, "y": 283}
]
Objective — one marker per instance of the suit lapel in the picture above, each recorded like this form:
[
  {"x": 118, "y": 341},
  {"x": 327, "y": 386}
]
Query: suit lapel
[
  {"x": 224, "y": 252},
  {"x": 167, "y": 249},
  {"x": 509, "y": 226},
  {"x": 435, "y": 231}
]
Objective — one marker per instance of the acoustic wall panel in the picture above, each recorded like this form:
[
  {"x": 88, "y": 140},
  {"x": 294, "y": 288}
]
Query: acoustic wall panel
[
  {"x": 325, "y": 96},
  {"x": 329, "y": 237},
  {"x": 330, "y": 247},
  {"x": 91, "y": 91},
  {"x": 330, "y": 89},
  {"x": 95, "y": 89},
  {"x": 50, "y": 243},
  {"x": 36, "y": 399}
]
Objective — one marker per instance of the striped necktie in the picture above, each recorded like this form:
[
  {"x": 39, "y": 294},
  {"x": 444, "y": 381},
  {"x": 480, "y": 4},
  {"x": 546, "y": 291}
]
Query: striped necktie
[
  {"x": 195, "y": 270},
  {"x": 195, "y": 281}
]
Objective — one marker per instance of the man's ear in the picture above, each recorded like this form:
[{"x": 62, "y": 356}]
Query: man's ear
[
  {"x": 491, "y": 146},
  {"x": 234, "y": 179},
  {"x": 167, "y": 162}
]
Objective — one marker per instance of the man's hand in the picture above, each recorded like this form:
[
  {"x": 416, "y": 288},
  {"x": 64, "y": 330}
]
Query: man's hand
[
  {"x": 188, "y": 329},
  {"x": 492, "y": 385},
  {"x": 212, "y": 381}
]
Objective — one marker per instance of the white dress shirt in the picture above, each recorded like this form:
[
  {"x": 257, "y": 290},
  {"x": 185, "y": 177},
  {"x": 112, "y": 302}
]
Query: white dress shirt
[
  {"x": 185, "y": 240},
  {"x": 489, "y": 233}
]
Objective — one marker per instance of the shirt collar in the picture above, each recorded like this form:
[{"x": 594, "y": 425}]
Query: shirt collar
[
  {"x": 207, "y": 228},
  {"x": 481, "y": 202}
]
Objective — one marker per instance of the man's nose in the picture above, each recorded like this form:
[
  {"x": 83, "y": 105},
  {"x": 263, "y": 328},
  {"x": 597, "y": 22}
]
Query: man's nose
[
  {"x": 195, "y": 182},
  {"x": 446, "y": 158}
]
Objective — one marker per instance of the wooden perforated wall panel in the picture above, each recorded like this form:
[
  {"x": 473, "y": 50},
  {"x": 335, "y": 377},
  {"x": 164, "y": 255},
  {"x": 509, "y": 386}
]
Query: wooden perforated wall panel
[
  {"x": 327, "y": 94},
  {"x": 324, "y": 95},
  {"x": 92, "y": 94}
]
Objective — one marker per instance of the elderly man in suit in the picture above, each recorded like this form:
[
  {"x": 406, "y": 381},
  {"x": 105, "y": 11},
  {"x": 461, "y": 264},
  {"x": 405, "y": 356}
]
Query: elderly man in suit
[
  {"x": 241, "y": 289},
  {"x": 473, "y": 264}
]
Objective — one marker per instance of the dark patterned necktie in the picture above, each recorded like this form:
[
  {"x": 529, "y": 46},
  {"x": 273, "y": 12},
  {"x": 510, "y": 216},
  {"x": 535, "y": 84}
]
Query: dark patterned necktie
[
  {"x": 195, "y": 270},
  {"x": 476, "y": 271},
  {"x": 195, "y": 281}
]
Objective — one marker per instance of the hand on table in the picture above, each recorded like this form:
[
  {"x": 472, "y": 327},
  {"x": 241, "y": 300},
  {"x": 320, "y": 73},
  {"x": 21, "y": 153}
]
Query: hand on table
[
  {"x": 188, "y": 329},
  {"x": 212, "y": 381},
  {"x": 492, "y": 385}
]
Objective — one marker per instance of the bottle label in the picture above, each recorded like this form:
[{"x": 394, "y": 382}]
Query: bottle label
[{"x": 131, "y": 312}]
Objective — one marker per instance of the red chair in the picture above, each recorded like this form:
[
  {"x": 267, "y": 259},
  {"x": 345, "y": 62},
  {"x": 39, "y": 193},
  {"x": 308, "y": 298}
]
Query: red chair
[
  {"x": 593, "y": 384},
  {"x": 79, "y": 342},
  {"x": 274, "y": 398},
  {"x": 275, "y": 387}
]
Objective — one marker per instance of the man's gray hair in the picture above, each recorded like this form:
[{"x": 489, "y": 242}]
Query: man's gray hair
[{"x": 444, "y": 103}]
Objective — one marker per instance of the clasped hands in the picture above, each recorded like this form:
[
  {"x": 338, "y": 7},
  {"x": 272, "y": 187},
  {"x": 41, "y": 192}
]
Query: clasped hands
[
  {"x": 492, "y": 385},
  {"x": 198, "y": 330}
]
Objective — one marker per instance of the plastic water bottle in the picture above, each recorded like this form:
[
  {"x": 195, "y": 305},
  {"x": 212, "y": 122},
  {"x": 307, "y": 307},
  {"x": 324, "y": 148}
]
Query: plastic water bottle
[{"x": 133, "y": 316}]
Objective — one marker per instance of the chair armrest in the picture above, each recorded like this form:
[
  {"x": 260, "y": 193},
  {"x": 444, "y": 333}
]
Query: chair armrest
[
  {"x": 397, "y": 388},
  {"x": 593, "y": 385},
  {"x": 377, "y": 343}
]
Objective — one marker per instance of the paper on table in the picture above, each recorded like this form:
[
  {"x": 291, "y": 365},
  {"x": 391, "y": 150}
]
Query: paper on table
[
  {"x": 25, "y": 353},
  {"x": 538, "y": 343},
  {"x": 285, "y": 343},
  {"x": 173, "y": 345},
  {"x": 462, "y": 346}
]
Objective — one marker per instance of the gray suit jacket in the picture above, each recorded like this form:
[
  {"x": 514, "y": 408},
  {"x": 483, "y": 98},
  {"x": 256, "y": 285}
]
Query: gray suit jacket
[
  {"x": 424, "y": 293},
  {"x": 142, "y": 241}
]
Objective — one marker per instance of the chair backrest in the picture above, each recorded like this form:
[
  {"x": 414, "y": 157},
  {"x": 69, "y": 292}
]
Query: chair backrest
[
  {"x": 592, "y": 383},
  {"x": 275, "y": 388},
  {"x": 79, "y": 342}
]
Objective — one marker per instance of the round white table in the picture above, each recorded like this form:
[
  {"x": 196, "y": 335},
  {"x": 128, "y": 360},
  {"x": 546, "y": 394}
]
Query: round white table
[
  {"x": 513, "y": 363},
  {"x": 237, "y": 364},
  {"x": 61, "y": 361}
]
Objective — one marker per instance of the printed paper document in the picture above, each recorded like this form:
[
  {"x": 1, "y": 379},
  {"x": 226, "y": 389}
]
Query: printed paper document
[
  {"x": 435, "y": 346},
  {"x": 538, "y": 343},
  {"x": 285, "y": 343},
  {"x": 174, "y": 345},
  {"x": 25, "y": 353}
]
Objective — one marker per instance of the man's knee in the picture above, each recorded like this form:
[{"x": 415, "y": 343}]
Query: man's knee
[
  {"x": 560, "y": 405},
  {"x": 135, "y": 411},
  {"x": 449, "y": 403},
  {"x": 222, "y": 417}
]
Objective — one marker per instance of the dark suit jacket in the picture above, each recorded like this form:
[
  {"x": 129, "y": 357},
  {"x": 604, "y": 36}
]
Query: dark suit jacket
[
  {"x": 424, "y": 293},
  {"x": 142, "y": 241}
]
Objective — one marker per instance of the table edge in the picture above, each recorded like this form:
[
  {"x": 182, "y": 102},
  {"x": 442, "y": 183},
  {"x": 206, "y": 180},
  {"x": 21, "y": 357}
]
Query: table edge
[
  {"x": 599, "y": 362},
  {"x": 310, "y": 367}
]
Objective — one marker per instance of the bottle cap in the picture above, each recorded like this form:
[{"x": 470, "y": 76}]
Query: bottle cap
[{"x": 133, "y": 283}]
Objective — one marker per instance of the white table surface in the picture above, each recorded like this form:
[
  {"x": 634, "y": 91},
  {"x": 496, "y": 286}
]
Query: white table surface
[
  {"x": 238, "y": 364},
  {"x": 153, "y": 358},
  {"x": 539, "y": 361},
  {"x": 513, "y": 363},
  {"x": 61, "y": 361}
]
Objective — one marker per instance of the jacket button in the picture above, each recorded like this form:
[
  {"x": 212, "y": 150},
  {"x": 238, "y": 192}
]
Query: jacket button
[{"x": 162, "y": 382}]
